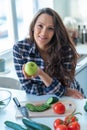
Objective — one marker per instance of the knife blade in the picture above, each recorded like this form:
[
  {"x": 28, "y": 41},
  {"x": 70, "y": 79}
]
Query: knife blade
[{"x": 22, "y": 109}]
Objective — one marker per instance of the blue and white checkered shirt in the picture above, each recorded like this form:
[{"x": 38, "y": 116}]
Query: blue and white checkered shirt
[{"x": 24, "y": 52}]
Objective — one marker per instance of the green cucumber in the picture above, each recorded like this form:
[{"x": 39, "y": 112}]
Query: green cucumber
[
  {"x": 52, "y": 100},
  {"x": 42, "y": 107},
  {"x": 35, "y": 125},
  {"x": 31, "y": 107},
  {"x": 14, "y": 126},
  {"x": 37, "y": 108},
  {"x": 85, "y": 106}
]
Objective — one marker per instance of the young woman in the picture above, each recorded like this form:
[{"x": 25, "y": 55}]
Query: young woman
[{"x": 50, "y": 47}]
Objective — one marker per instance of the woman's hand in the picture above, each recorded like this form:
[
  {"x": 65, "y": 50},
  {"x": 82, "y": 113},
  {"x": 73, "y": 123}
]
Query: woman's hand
[
  {"x": 73, "y": 93},
  {"x": 27, "y": 76},
  {"x": 47, "y": 80}
]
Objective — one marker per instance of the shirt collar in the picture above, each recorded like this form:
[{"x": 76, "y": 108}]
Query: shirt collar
[{"x": 34, "y": 49}]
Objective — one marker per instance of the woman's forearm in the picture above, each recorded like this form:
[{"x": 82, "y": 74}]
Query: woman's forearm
[{"x": 45, "y": 77}]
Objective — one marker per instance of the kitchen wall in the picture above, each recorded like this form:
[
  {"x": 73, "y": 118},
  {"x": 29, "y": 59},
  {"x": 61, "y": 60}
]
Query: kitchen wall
[
  {"x": 62, "y": 7},
  {"x": 73, "y": 8}
]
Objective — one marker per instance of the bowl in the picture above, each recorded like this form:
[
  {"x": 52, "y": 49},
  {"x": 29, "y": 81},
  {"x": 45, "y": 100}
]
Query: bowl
[{"x": 5, "y": 97}]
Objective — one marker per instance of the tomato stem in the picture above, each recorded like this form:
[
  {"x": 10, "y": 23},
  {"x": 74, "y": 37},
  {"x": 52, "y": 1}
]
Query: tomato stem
[{"x": 73, "y": 114}]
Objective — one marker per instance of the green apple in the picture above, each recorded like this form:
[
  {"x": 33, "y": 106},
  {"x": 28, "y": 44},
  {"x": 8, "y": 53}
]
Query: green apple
[{"x": 30, "y": 68}]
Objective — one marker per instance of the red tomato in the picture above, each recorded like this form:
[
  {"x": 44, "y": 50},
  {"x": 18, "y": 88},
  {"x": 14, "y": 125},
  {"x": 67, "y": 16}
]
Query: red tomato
[
  {"x": 57, "y": 122},
  {"x": 74, "y": 126},
  {"x": 70, "y": 118},
  {"x": 61, "y": 127},
  {"x": 59, "y": 108}
]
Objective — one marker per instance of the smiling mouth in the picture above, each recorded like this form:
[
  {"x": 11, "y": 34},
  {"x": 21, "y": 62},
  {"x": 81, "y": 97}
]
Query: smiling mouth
[{"x": 42, "y": 38}]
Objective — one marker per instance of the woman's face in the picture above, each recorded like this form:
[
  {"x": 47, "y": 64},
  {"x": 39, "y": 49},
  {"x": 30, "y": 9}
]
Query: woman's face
[{"x": 43, "y": 30}]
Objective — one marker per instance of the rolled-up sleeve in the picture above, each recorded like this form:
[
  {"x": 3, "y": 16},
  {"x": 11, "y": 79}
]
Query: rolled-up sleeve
[{"x": 55, "y": 88}]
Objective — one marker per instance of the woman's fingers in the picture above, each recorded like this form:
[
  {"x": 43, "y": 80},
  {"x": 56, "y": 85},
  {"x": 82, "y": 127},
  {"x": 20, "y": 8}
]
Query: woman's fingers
[
  {"x": 25, "y": 75},
  {"x": 74, "y": 93}
]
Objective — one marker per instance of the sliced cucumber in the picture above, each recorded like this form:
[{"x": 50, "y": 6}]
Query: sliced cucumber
[
  {"x": 52, "y": 100},
  {"x": 31, "y": 107},
  {"x": 37, "y": 108},
  {"x": 42, "y": 107}
]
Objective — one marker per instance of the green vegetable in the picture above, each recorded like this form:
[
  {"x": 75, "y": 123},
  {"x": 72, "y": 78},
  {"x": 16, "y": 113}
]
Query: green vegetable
[
  {"x": 14, "y": 126},
  {"x": 42, "y": 107},
  {"x": 85, "y": 106},
  {"x": 52, "y": 100},
  {"x": 2, "y": 103},
  {"x": 31, "y": 107},
  {"x": 35, "y": 125},
  {"x": 37, "y": 108}
]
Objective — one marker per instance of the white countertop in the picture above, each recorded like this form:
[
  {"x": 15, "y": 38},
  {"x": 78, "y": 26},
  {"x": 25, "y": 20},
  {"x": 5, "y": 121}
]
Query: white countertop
[
  {"x": 81, "y": 48},
  {"x": 9, "y": 112}
]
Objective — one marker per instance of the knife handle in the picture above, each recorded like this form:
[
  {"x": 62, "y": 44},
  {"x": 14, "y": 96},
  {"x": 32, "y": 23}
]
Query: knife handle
[{"x": 16, "y": 102}]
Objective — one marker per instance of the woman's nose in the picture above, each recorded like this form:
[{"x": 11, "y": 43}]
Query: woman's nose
[{"x": 44, "y": 31}]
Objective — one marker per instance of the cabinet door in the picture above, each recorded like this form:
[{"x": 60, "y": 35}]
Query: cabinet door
[{"x": 81, "y": 77}]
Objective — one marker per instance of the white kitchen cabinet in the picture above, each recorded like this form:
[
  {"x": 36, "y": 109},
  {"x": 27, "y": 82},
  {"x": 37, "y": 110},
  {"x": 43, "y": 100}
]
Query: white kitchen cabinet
[{"x": 81, "y": 77}]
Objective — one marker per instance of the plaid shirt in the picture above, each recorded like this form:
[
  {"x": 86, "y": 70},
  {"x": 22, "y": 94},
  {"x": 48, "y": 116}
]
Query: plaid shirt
[{"x": 24, "y": 52}]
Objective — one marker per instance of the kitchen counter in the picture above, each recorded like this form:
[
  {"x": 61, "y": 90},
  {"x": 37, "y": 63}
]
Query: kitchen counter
[
  {"x": 82, "y": 64},
  {"x": 10, "y": 111},
  {"x": 81, "y": 48}
]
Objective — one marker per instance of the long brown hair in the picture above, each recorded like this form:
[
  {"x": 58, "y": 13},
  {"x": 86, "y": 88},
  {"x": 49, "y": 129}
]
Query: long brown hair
[{"x": 58, "y": 49}]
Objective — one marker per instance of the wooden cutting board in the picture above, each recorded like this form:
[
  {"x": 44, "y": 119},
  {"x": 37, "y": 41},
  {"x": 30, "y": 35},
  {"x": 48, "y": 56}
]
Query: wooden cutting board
[{"x": 70, "y": 108}]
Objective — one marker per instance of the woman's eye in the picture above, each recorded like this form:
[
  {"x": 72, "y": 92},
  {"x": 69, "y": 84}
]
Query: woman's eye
[
  {"x": 51, "y": 28},
  {"x": 40, "y": 26}
]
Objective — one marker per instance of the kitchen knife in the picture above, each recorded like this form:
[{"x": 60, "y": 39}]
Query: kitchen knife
[{"x": 22, "y": 109}]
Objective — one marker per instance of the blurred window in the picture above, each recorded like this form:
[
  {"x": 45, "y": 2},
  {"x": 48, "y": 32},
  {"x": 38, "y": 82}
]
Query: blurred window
[
  {"x": 15, "y": 16},
  {"x": 3, "y": 26}
]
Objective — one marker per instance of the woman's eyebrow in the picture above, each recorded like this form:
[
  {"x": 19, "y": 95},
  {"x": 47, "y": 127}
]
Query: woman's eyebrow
[{"x": 51, "y": 25}]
